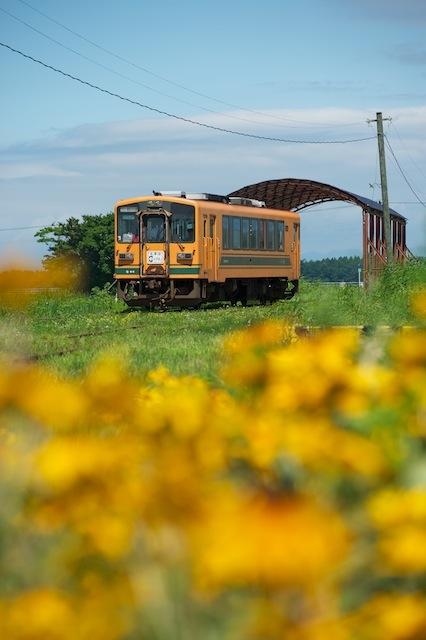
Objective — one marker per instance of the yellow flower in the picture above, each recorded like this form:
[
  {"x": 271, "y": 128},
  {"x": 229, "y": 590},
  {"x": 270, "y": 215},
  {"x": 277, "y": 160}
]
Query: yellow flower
[
  {"x": 21, "y": 283},
  {"x": 308, "y": 374},
  {"x": 315, "y": 443},
  {"x": 111, "y": 392},
  {"x": 393, "y": 507},
  {"x": 260, "y": 540},
  {"x": 400, "y": 517},
  {"x": 43, "y": 614},
  {"x": 408, "y": 349},
  {"x": 265, "y": 334},
  {"x": 392, "y": 617},
  {"x": 244, "y": 351},
  {"x": 47, "y": 399},
  {"x": 403, "y": 549}
]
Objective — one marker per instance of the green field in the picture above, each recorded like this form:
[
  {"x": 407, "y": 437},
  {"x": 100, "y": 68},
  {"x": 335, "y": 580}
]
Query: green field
[{"x": 68, "y": 332}]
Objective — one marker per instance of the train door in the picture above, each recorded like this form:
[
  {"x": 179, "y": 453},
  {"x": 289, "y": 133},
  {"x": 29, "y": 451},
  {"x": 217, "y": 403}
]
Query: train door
[
  {"x": 210, "y": 246},
  {"x": 295, "y": 247},
  {"x": 154, "y": 233}
]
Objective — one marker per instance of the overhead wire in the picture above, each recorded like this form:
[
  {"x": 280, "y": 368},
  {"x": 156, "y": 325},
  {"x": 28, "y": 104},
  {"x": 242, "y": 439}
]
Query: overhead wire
[
  {"x": 22, "y": 228},
  {"x": 177, "y": 84},
  {"x": 121, "y": 75},
  {"x": 173, "y": 115},
  {"x": 415, "y": 164},
  {"x": 403, "y": 173}
]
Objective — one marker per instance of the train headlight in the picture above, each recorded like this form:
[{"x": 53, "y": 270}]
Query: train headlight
[
  {"x": 126, "y": 257},
  {"x": 184, "y": 256}
]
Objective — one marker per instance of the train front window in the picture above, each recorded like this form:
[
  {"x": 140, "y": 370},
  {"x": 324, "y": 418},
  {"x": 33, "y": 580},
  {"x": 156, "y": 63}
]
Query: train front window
[
  {"x": 183, "y": 218},
  {"x": 127, "y": 225},
  {"x": 155, "y": 228}
]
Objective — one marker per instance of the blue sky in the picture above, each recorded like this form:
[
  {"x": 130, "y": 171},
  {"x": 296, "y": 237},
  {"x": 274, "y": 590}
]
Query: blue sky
[{"x": 311, "y": 70}]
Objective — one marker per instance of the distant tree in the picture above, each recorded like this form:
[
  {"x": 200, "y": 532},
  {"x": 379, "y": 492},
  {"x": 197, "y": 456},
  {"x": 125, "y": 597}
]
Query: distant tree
[
  {"x": 88, "y": 242},
  {"x": 341, "y": 269}
]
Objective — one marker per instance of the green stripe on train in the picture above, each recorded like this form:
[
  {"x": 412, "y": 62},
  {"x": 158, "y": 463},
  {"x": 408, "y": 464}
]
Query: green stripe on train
[
  {"x": 183, "y": 270},
  {"x": 254, "y": 261},
  {"x": 126, "y": 271},
  {"x": 172, "y": 270}
]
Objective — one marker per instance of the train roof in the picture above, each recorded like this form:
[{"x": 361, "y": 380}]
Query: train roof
[{"x": 211, "y": 198}]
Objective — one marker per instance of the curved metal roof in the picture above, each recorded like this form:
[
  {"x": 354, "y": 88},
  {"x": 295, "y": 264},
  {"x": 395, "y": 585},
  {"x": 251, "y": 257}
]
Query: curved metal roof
[{"x": 295, "y": 194}]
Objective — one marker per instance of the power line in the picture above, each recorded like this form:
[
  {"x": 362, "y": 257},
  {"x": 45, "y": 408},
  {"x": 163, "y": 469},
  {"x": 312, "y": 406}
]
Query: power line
[
  {"x": 117, "y": 73},
  {"x": 174, "y": 83},
  {"x": 408, "y": 153},
  {"x": 22, "y": 228},
  {"x": 402, "y": 173},
  {"x": 172, "y": 115}
]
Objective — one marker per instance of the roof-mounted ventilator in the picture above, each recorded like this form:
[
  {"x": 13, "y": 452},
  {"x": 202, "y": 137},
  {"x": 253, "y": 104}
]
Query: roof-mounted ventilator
[
  {"x": 171, "y": 194},
  {"x": 247, "y": 202},
  {"x": 212, "y": 197}
]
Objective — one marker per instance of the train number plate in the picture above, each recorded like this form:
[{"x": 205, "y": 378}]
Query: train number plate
[{"x": 155, "y": 257}]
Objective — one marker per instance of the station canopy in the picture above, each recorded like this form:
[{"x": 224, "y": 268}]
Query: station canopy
[{"x": 294, "y": 194}]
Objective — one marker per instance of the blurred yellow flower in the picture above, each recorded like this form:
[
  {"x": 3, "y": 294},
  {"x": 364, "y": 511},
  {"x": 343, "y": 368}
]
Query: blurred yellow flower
[
  {"x": 398, "y": 506},
  {"x": 267, "y": 541},
  {"x": 400, "y": 517},
  {"x": 21, "y": 283},
  {"x": 392, "y": 616},
  {"x": 50, "y": 401},
  {"x": 259, "y": 509},
  {"x": 42, "y": 614}
]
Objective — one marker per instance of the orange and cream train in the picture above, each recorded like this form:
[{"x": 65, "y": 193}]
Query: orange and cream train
[{"x": 182, "y": 249}]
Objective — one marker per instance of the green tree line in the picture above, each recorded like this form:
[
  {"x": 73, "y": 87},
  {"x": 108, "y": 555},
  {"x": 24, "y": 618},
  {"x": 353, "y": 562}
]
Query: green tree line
[
  {"x": 89, "y": 243},
  {"x": 341, "y": 269}
]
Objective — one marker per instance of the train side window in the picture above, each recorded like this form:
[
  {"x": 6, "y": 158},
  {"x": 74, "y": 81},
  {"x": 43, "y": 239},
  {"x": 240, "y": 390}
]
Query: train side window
[
  {"x": 225, "y": 232},
  {"x": 182, "y": 223},
  {"x": 262, "y": 234},
  {"x": 280, "y": 235},
  {"x": 245, "y": 233},
  {"x": 253, "y": 234},
  {"x": 270, "y": 234},
  {"x": 236, "y": 233}
]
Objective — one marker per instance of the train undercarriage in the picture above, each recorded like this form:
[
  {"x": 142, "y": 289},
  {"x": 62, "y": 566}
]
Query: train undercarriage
[{"x": 161, "y": 292}]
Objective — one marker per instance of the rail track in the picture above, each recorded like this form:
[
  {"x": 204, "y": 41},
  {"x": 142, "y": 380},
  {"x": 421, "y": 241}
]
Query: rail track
[{"x": 301, "y": 330}]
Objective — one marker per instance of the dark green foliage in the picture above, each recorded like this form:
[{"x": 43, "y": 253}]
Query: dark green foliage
[
  {"x": 332, "y": 269},
  {"x": 89, "y": 242}
]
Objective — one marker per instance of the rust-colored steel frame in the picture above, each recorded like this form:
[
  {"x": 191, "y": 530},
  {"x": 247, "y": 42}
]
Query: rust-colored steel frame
[
  {"x": 296, "y": 194},
  {"x": 373, "y": 240}
]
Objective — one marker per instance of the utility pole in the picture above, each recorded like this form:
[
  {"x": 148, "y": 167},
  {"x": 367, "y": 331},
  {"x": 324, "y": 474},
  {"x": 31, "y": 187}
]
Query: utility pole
[{"x": 384, "y": 182}]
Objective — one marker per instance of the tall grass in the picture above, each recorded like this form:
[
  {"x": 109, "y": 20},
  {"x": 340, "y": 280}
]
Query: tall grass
[
  {"x": 385, "y": 302},
  {"x": 69, "y": 332}
]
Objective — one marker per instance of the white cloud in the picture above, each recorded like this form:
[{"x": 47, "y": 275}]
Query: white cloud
[
  {"x": 14, "y": 170},
  {"x": 85, "y": 169}
]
